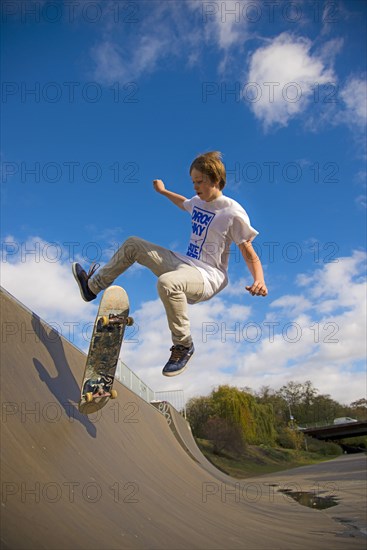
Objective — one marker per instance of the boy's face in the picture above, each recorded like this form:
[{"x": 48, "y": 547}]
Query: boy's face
[{"x": 204, "y": 187}]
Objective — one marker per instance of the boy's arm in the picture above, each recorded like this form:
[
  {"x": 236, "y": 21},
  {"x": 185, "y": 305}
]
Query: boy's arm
[
  {"x": 178, "y": 200},
  {"x": 258, "y": 288}
]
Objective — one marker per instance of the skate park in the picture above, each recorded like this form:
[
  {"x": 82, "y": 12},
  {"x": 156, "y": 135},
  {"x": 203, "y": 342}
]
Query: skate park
[{"x": 123, "y": 478}]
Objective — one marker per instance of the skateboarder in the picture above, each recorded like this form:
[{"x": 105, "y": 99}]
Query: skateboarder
[{"x": 201, "y": 273}]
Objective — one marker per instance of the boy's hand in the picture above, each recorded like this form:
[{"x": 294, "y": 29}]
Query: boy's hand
[
  {"x": 258, "y": 289},
  {"x": 159, "y": 186}
]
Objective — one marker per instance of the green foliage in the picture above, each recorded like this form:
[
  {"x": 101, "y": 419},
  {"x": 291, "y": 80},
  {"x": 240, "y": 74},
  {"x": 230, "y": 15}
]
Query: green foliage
[
  {"x": 289, "y": 438},
  {"x": 323, "y": 448},
  {"x": 357, "y": 409},
  {"x": 231, "y": 417},
  {"x": 306, "y": 406},
  {"x": 256, "y": 421},
  {"x": 302, "y": 401},
  {"x": 224, "y": 435},
  {"x": 360, "y": 442},
  {"x": 198, "y": 412}
]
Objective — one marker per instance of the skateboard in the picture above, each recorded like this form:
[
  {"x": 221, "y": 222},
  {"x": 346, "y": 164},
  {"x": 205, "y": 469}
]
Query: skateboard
[{"x": 104, "y": 350}]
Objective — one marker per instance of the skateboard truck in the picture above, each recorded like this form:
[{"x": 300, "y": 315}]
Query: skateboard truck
[
  {"x": 98, "y": 392},
  {"x": 90, "y": 396},
  {"x": 111, "y": 319}
]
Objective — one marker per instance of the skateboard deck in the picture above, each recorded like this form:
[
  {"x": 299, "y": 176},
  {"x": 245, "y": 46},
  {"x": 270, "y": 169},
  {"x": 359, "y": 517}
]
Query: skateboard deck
[{"x": 104, "y": 350}]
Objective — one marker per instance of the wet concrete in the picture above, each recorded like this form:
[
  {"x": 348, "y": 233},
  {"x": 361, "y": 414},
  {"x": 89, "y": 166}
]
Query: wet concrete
[{"x": 342, "y": 482}]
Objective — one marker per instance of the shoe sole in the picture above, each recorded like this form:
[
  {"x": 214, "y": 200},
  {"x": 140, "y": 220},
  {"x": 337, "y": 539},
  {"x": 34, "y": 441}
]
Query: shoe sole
[{"x": 77, "y": 280}]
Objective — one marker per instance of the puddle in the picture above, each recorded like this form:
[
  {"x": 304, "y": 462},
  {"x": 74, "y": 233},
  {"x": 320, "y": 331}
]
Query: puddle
[{"x": 311, "y": 500}]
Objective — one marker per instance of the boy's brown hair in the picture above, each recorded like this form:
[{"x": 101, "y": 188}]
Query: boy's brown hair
[{"x": 212, "y": 166}]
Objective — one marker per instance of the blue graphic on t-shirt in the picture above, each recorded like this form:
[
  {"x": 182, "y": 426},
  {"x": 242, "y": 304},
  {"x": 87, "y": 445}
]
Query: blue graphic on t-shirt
[{"x": 200, "y": 221}]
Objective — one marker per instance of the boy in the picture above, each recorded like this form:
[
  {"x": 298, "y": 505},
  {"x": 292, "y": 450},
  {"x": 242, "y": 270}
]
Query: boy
[{"x": 216, "y": 222}]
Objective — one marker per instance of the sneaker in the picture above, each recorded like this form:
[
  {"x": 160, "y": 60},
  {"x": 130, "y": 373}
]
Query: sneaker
[
  {"x": 82, "y": 278},
  {"x": 178, "y": 361}
]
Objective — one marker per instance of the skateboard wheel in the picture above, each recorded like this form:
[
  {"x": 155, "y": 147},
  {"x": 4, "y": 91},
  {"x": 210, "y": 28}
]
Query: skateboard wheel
[
  {"x": 129, "y": 321},
  {"x": 104, "y": 320},
  {"x": 88, "y": 397},
  {"x": 113, "y": 394}
]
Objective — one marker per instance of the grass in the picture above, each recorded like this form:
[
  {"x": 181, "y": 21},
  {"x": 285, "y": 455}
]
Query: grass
[{"x": 257, "y": 460}]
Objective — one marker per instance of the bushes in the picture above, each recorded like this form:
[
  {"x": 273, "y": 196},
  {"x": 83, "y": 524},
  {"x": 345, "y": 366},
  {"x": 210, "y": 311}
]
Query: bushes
[
  {"x": 289, "y": 438},
  {"x": 198, "y": 411},
  {"x": 359, "y": 442},
  {"x": 324, "y": 448},
  {"x": 231, "y": 418},
  {"x": 293, "y": 439},
  {"x": 241, "y": 409},
  {"x": 224, "y": 436}
]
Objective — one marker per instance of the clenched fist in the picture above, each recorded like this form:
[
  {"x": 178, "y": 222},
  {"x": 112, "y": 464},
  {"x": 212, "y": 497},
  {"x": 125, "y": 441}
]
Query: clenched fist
[{"x": 159, "y": 186}]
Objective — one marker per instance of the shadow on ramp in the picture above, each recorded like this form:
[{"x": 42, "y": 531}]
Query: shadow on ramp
[{"x": 63, "y": 385}]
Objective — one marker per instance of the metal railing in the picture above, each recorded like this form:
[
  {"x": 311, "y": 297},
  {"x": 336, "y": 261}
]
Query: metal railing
[{"x": 132, "y": 381}]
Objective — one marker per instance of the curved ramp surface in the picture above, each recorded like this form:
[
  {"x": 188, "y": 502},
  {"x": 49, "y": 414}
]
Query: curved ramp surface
[
  {"x": 182, "y": 431},
  {"x": 119, "y": 479}
]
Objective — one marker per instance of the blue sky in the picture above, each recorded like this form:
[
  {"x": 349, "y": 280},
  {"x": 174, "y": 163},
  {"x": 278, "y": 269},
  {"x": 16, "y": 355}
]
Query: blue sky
[{"x": 100, "y": 98}]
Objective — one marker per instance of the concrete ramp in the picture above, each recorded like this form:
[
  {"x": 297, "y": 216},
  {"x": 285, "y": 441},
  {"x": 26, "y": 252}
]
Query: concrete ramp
[
  {"x": 119, "y": 479},
  {"x": 182, "y": 431}
]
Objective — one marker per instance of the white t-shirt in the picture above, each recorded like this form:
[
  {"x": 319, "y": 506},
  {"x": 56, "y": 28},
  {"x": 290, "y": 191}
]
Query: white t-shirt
[{"x": 215, "y": 225}]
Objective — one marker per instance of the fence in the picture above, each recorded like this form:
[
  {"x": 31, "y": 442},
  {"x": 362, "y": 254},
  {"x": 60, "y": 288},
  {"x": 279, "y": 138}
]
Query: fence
[{"x": 129, "y": 379}]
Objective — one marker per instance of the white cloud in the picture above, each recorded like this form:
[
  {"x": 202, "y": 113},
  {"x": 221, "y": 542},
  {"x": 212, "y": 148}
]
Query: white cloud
[
  {"x": 152, "y": 37},
  {"x": 114, "y": 63},
  {"x": 226, "y": 25},
  {"x": 361, "y": 201},
  {"x": 334, "y": 278},
  {"x": 167, "y": 30},
  {"x": 109, "y": 63},
  {"x": 283, "y": 74},
  {"x": 235, "y": 289},
  {"x": 161, "y": 31},
  {"x": 342, "y": 104},
  {"x": 354, "y": 97},
  {"x": 328, "y": 51},
  {"x": 225, "y": 22},
  {"x": 292, "y": 304}
]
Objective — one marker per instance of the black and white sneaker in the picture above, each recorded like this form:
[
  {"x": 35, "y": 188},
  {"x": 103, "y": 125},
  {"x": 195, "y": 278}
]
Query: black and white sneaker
[
  {"x": 82, "y": 278},
  {"x": 177, "y": 363}
]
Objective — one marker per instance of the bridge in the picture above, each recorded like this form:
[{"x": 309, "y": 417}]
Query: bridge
[{"x": 337, "y": 431}]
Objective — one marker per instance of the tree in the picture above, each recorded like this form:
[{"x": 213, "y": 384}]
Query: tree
[
  {"x": 198, "y": 412},
  {"x": 325, "y": 409},
  {"x": 358, "y": 409},
  {"x": 300, "y": 399},
  {"x": 360, "y": 403},
  {"x": 268, "y": 396},
  {"x": 224, "y": 435},
  {"x": 240, "y": 408}
]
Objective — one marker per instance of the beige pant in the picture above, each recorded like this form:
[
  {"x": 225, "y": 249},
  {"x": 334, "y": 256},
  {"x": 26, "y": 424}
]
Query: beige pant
[{"x": 177, "y": 284}]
